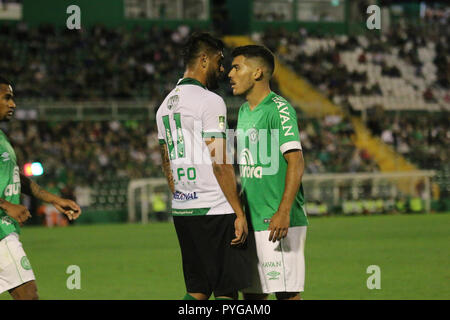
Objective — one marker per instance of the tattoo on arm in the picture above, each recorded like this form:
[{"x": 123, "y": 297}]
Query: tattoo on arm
[
  {"x": 166, "y": 167},
  {"x": 31, "y": 188}
]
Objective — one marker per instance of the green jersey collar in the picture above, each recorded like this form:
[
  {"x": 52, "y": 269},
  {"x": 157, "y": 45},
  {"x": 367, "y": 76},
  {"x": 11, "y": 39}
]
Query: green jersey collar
[
  {"x": 269, "y": 96},
  {"x": 192, "y": 81}
]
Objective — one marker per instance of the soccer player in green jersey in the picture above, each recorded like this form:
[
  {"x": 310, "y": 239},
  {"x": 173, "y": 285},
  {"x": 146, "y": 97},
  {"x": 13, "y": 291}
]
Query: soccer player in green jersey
[
  {"x": 16, "y": 274},
  {"x": 271, "y": 168}
]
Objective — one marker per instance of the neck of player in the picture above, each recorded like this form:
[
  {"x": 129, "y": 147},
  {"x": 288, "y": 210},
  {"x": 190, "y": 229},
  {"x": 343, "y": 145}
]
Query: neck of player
[
  {"x": 195, "y": 74},
  {"x": 257, "y": 94}
]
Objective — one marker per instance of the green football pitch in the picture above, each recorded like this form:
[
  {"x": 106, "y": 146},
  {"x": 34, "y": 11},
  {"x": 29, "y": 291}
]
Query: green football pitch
[{"x": 133, "y": 261}]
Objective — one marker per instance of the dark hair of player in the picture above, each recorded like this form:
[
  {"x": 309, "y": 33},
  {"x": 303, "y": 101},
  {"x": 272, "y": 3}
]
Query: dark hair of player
[
  {"x": 5, "y": 81},
  {"x": 255, "y": 51},
  {"x": 198, "y": 42}
]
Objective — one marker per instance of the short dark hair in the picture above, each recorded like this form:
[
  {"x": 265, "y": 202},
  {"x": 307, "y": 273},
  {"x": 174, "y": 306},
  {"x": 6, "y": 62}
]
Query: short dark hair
[
  {"x": 256, "y": 51},
  {"x": 197, "y": 42},
  {"x": 5, "y": 81}
]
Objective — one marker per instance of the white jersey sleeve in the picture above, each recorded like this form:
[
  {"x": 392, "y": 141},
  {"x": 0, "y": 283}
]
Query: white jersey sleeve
[
  {"x": 160, "y": 127},
  {"x": 214, "y": 117}
]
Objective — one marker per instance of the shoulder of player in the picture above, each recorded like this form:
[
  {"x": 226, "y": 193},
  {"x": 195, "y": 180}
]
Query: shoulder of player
[
  {"x": 163, "y": 103},
  {"x": 278, "y": 105},
  {"x": 212, "y": 97},
  {"x": 3, "y": 137},
  {"x": 209, "y": 99}
]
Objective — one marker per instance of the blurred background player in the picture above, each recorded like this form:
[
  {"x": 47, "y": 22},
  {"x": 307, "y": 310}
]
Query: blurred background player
[
  {"x": 272, "y": 192},
  {"x": 208, "y": 217},
  {"x": 16, "y": 274}
]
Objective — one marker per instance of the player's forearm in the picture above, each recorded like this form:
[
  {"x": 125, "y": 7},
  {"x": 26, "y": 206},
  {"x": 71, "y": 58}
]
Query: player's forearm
[
  {"x": 166, "y": 168},
  {"x": 31, "y": 188},
  {"x": 4, "y": 204},
  {"x": 227, "y": 181},
  {"x": 293, "y": 180},
  {"x": 169, "y": 177}
]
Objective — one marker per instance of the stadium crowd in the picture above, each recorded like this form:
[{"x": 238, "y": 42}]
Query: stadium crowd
[
  {"x": 422, "y": 138},
  {"x": 344, "y": 66},
  {"x": 80, "y": 153},
  {"x": 320, "y": 59},
  {"x": 93, "y": 64}
]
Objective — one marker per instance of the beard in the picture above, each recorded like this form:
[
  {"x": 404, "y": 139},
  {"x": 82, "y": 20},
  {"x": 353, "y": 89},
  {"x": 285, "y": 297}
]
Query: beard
[
  {"x": 6, "y": 118},
  {"x": 212, "y": 80}
]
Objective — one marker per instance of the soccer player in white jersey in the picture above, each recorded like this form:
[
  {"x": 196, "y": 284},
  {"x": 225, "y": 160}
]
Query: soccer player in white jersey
[
  {"x": 271, "y": 166},
  {"x": 16, "y": 274},
  {"x": 209, "y": 220}
]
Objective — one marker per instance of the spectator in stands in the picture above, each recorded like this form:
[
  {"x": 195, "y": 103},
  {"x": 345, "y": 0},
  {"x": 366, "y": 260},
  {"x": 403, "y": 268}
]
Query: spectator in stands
[{"x": 428, "y": 95}]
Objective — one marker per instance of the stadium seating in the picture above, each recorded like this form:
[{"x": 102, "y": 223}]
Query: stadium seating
[
  {"x": 390, "y": 70},
  {"x": 396, "y": 81}
]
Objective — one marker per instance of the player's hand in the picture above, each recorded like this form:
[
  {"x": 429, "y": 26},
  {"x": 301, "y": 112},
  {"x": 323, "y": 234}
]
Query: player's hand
[
  {"x": 241, "y": 231},
  {"x": 279, "y": 225},
  {"x": 68, "y": 207},
  {"x": 18, "y": 212}
]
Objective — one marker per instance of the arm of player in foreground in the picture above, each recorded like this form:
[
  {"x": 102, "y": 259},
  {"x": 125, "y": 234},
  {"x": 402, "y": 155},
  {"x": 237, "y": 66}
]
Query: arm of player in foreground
[
  {"x": 18, "y": 212},
  {"x": 224, "y": 173},
  {"x": 166, "y": 166},
  {"x": 279, "y": 224},
  {"x": 66, "y": 206}
]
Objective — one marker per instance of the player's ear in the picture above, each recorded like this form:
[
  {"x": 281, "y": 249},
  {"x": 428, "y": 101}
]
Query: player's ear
[{"x": 258, "y": 75}]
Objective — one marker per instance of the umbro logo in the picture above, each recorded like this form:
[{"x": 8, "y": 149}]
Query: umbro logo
[
  {"x": 5, "y": 156},
  {"x": 6, "y": 220}
]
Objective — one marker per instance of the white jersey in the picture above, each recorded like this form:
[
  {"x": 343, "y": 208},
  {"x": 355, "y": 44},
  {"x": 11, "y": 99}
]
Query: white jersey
[{"x": 189, "y": 114}]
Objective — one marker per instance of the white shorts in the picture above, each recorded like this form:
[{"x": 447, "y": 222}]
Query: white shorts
[
  {"x": 277, "y": 266},
  {"x": 15, "y": 269}
]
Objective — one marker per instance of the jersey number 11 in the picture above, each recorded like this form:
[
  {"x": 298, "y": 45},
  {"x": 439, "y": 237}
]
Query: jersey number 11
[{"x": 180, "y": 138}]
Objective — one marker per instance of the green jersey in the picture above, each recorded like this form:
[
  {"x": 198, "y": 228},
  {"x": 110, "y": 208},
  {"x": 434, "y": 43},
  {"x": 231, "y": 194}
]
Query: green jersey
[
  {"x": 9, "y": 185},
  {"x": 264, "y": 134}
]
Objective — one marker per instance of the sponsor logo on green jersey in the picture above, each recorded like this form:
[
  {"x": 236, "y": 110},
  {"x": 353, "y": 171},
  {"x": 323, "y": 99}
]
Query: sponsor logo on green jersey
[
  {"x": 247, "y": 165},
  {"x": 5, "y": 156},
  {"x": 13, "y": 188},
  {"x": 6, "y": 221},
  {"x": 283, "y": 111}
]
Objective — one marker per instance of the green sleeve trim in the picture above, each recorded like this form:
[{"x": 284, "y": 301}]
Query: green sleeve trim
[
  {"x": 162, "y": 141},
  {"x": 214, "y": 135}
]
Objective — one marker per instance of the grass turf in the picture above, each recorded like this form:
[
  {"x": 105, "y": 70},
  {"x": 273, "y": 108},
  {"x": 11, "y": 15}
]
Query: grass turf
[{"x": 132, "y": 261}]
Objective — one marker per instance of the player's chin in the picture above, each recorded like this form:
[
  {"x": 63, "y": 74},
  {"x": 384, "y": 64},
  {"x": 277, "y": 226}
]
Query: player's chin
[{"x": 237, "y": 92}]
